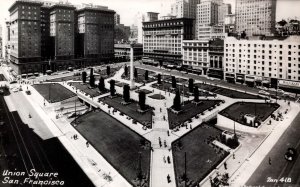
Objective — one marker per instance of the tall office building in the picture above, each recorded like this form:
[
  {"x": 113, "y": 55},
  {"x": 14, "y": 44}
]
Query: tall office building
[
  {"x": 256, "y": 17},
  {"x": 223, "y": 11},
  {"x": 180, "y": 9}
]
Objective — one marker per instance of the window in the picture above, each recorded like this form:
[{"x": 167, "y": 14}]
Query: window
[
  {"x": 289, "y": 58},
  {"x": 290, "y": 46},
  {"x": 280, "y": 46},
  {"x": 289, "y": 65}
]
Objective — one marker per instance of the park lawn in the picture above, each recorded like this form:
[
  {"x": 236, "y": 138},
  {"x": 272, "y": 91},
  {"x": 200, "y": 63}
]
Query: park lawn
[
  {"x": 189, "y": 110},
  {"x": 157, "y": 96},
  {"x": 227, "y": 92},
  {"x": 53, "y": 92},
  {"x": 93, "y": 92},
  {"x": 201, "y": 157},
  {"x": 121, "y": 84},
  {"x": 166, "y": 86},
  {"x": 119, "y": 145},
  {"x": 237, "y": 110},
  {"x": 143, "y": 90},
  {"x": 130, "y": 110}
]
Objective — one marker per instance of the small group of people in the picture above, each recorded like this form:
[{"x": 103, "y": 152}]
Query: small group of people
[
  {"x": 75, "y": 136},
  {"x": 167, "y": 160},
  {"x": 160, "y": 142}
]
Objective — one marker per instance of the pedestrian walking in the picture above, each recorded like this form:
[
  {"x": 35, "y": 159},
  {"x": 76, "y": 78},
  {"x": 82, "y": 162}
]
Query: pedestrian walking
[
  {"x": 165, "y": 143},
  {"x": 270, "y": 161},
  {"x": 87, "y": 144},
  {"x": 169, "y": 160},
  {"x": 160, "y": 109},
  {"x": 164, "y": 158},
  {"x": 168, "y": 133},
  {"x": 168, "y": 178}
]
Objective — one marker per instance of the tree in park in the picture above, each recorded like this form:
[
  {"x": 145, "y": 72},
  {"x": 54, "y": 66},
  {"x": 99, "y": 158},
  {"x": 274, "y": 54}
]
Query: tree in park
[
  {"x": 146, "y": 75},
  {"x": 126, "y": 93},
  {"x": 191, "y": 85},
  {"x": 92, "y": 81},
  {"x": 126, "y": 70},
  {"x": 83, "y": 76},
  {"x": 196, "y": 94},
  {"x": 108, "y": 70},
  {"x": 159, "y": 79},
  {"x": 142, "y": 100},
  {"x": 101, "y": 84},
  {"x": 176, "y": 101},
  {"x": 135, "y": 73},
  {"x": 173, "y": 82},
  {"x": 112, "y": 88}
]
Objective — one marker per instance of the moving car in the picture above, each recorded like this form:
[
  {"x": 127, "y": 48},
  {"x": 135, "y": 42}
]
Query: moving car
[{"x": 290, "y": 155}]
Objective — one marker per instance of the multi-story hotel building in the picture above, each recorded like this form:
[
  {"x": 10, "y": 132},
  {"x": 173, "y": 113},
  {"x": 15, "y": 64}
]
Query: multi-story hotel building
[
  {"x": 163, "y": 39},
  {"x": 95, "y": 34},
  {"x": 263, "y": 61},
  {"x": 42, "y": 36},
  {"x": 62, "y": 30},
  {"x": 195, "y": 55},
  {"x": 25, "y": 35},
  {"x": 256, "y": 17}
]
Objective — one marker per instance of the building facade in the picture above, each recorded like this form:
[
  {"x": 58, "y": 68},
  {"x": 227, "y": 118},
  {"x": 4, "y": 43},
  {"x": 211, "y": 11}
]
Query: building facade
[
  {"x": 163, "y": 39},
  {"x": 195, "y": 55},
  {"x": 216, "y": 57},
  {"x": 117, "y": 19},
  {"x": 122, "y": 52},
  {"x": 95, "y": 37},
  {"x": 266, "y": 61},
  {"x": 256, "y": 17},
  {"x": 223, "y": 11},
  {"x": 25, "y": 35},
  {"x": 208, "y": 23},
  {"x": 46, "y": 36},
  {"x": 180, "y": 9}
]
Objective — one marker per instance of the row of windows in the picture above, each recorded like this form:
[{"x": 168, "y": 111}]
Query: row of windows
[{"x": 263, "y": 45}]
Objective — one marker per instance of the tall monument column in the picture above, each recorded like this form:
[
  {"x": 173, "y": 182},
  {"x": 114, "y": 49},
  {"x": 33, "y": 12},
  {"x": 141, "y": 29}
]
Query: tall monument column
[{"x": 132, "y": 85}]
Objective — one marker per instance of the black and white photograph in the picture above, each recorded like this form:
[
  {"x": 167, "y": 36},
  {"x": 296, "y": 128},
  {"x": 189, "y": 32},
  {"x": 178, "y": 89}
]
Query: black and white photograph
[{"x": 150, "y": 93}]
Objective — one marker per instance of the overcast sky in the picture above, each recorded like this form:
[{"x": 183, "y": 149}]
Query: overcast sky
[{"x": 129, "y": 8}]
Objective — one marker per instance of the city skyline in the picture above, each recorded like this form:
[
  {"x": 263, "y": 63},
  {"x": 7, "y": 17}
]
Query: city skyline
[{"x": 127, "y": 15}]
